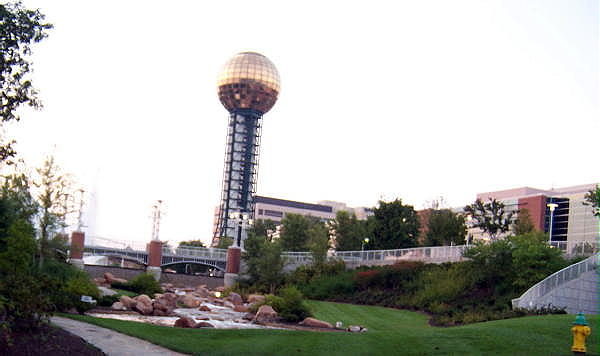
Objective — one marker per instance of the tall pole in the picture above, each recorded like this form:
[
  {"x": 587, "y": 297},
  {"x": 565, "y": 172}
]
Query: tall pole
[{"x": 552, "y": 206}]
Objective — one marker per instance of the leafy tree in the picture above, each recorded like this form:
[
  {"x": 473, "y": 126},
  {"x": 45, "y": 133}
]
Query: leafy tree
[
  {"x": 523, "y": 223},
  {"x": 264, "y": 228},
  {"x": 394, "y": 226},
  {"x": 592, "y": 198},
  {"x": 319, "y": 243},
  {"x": 19, "y": 29},
  {"x": 264, "y": 264},
  {"x": 192, "y": 243},
  {"x": 491, "y": 217},
  {"x": 294, "y": 232},
  {"x": 445, "y": 227},
  {"x": 348, "y": 231},
  {"x": 54, "y": 189}
]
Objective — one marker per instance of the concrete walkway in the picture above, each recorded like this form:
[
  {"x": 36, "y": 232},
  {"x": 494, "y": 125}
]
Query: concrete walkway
[{"x": 111, "y": 342}]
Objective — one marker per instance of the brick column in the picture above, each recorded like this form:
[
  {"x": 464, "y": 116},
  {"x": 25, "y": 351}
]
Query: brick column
[
  {"x": 154, "y": 258},
  {"x": 76, "y": 252},
  {"x": 234, "y": 254}
]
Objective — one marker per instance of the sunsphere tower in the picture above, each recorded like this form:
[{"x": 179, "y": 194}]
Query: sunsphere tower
[{"x": 248, "y": 87}]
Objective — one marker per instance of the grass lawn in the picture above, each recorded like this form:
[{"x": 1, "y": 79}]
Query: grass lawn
[
  {"x": 124, "y": 292},
  {"x": 391, "y": 332}
]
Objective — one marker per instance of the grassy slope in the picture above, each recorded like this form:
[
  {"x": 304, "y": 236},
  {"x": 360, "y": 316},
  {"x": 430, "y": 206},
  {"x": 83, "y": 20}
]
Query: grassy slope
[{"x": 390, "y": 332}]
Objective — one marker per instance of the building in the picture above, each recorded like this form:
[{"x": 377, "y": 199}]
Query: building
[
  {"x": 572, "y": 221},
  {"x": 275, "y": 209}
]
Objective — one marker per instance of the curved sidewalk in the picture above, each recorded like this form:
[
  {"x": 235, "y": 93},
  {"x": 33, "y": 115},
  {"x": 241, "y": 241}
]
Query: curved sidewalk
[{"x": 111, "y": 342}]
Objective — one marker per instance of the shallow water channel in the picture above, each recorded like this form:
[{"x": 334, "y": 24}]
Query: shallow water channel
[{"x": 218, "y": 316}]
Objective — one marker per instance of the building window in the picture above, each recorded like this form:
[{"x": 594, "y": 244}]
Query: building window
[{"x": 274, "y": 213}]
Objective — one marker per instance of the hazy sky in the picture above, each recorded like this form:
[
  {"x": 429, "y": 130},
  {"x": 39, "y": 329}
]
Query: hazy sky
[{"x": 380, "y": 99}]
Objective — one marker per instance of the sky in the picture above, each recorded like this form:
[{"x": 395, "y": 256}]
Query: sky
[{"x": 379, "y": 100}]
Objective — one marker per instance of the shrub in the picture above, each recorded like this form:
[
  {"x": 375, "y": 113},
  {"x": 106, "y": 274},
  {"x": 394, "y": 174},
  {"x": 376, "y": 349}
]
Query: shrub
[
  {"x": 144, "y": 283},
  {"x": 108, "y": 300},
  {"x": 78, "y": 286},
  {"x": 292, "y": 307},
  {"x": 327, "y": 287}
]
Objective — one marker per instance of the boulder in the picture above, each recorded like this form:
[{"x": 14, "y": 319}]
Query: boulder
[
  {"x": 220, "y": 289},
  {"x": 143, "y": 304},
  {"x": 249, "y": 316},
  {"x": 184, "y": 322},
  {"x": 110, "y": 278},
  {"x": 99, "y": 281},
  {"x": 142, "y": 298},
  {"x": 127, "y": 301},
  {"x": 189, "y": 301},
  {"x": 228, "y": 304},
  {"x": 240, "y": 308},
  {"x": 204, "y": 324},
  {"x": 256, "y": 298},
  {"x": 202, "y": 292},
  {"x": 356, "y": 329},
  {"x": 168, "y": 300},
  {"x": 235, "y": 298},
  {"x": 204, "y": 308},
  {"x": 265, "y": 314},
  {"x": 315, "y": 323},
  {"x": 118, "y": 306}
]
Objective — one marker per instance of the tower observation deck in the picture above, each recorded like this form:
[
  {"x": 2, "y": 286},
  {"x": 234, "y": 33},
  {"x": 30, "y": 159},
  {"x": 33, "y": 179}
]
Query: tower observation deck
[{"x": 248, "y": 87}]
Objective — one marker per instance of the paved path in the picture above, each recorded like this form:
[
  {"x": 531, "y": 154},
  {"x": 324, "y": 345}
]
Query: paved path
[{"x": 111, "y": 342}]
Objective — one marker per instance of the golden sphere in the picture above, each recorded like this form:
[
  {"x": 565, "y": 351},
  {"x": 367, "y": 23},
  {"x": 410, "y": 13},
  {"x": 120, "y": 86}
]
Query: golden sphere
[{"x": 249, "y": 80}]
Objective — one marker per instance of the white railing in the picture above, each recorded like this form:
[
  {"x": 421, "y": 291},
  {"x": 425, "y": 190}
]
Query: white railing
[
  {"x": 196, "y": 252},
  {"x": 576, "y": 248},
  {"x": 297, "y": 257},
  {"x": 528, "y": 299},
  {"x": 119, "y": 244},
  {"x": 433, "y": 254}
]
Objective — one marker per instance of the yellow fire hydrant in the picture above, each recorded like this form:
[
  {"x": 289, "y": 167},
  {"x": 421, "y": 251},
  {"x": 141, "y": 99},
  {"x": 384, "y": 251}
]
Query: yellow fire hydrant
[{"x": 580, "y": 332}]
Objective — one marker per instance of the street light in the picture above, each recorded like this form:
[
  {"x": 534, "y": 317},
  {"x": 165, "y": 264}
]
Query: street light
[
  {"x": 362, "y": 246},
  {"x": 551, "y": 206},
  {"x": 243, "y": 222}
]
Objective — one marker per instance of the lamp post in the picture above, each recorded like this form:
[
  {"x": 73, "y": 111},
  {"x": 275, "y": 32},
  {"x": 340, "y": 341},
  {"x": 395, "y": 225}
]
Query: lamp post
[
  {"x": 364, "y": 241},
  {"x": 244, "y": 222},
  {"x": 552, "y": 207}
]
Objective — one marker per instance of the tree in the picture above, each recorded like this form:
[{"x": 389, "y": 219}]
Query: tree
[
  {"x": 592, "y": 198},
  {"x": 264, "y": 228},
  {"x": 54, "y": 190},
  {"x": 192, "y": 243},
  {"x": 444, "y": 228},
  {"x": 491, "y": 217},
  {"x": 294, "y": 232},
  {"x": 523, "y": 223},
  {"x": 264, "y": 264},
  {"x": 348, "y": 231},
  {"x": 19, "y": 29},
  {"x": 394, "y": 226},
  {"x": 319, "y": 243}
]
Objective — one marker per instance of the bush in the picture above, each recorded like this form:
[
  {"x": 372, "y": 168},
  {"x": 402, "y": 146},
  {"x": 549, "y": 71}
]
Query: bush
[
  {"x": 289, "y": 305},
  {"x": 144, "y": 283},
  {"x": 108, "y": 300},
  {"x": 78, "y": 286},
  {"x": 328, "y": 287}
]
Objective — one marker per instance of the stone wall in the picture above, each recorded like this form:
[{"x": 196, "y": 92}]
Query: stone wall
[
  {"x": 178, "y": 280},
  {"x": 578, "y": 296}
]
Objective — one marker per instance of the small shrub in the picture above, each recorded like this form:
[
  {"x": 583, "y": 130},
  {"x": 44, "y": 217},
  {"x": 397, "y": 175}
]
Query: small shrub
[
  {"x": 108, "y": 300},
  {"x": 78, "y": 286},
  {"x": 143, "y": 283},
  {"x": 293, "y": 308}
]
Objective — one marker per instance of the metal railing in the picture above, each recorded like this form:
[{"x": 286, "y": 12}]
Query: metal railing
[
  {"x": 434, "y": 254},
  {"x": 576, "y": 248},
  {"x": 196, "y": 252},
  {"x": 556, "y": 279}
]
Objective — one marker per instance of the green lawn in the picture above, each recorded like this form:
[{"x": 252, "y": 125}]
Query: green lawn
[{"x": 391, "y": 332}]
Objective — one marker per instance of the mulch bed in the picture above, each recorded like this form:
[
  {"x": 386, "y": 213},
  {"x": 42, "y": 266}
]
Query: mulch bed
[{"x": 48, "y": 341}]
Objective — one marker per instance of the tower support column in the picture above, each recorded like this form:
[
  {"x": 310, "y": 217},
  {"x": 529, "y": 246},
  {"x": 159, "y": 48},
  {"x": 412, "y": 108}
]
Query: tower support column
[
  {"x": 76, "y": 251},
  {"x": 234, "y": 255},
  {"x": 154, "y": 259}
]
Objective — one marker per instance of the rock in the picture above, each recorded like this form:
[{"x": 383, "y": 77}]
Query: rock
[
  {"x": 339, "y": 325},
  {"x": 265, "y": 314},
  {"x": 256, "y": 298},
  {"x": 118, "y": 306},
  {"x": 143, "y": 304},
  {"x": 228, "y": 304},
  {"x": 249, "y": 316},
  {"x": 127, "y": 301},
  {"x": 189, "y": 301},
  {"x": 315, "y": 323},
  {"x": 204, "y": 308},
  {"x": 167, "y": 287},
  {"x": 235, "y": 298},
  {"x": 99, "y": 281},
  {"x": 204, "y": 324},
  {"x": 158, "y": 312},
  {"x": 220, "y": 289},
  {"x": 240, "y": 308},
  {"x": 168, "y": 300},
  {"x": 364, "y": 330},
  {"x": 202, "y": 292},
  {"x": 184, "y": 322},
  {"x": 143, "y": 299},
  {"x": 202, "y": 318},
  {"x": 110, "y": 278},
  {"x": 106, "y": 291},
  {"x": 217, "y": 302}
]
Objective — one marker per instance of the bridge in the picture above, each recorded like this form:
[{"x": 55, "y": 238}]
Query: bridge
[{"x": 217, "y": 258}]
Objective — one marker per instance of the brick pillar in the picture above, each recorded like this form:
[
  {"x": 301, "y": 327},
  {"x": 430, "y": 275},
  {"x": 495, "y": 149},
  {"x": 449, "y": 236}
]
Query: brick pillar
[
  {"x": 154, "y": 258},
  {"x": 76, "y": 252},
  {"x": 234, "y": 254}
]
